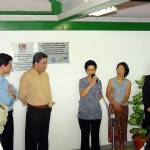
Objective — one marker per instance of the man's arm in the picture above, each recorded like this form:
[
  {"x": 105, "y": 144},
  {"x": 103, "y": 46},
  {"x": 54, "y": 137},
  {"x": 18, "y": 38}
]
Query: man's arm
[
  {"x": 5, "y": 97},
  {"x": 146, "y": 92},
  {"x": 23, "y": 89},
  {"x": 51, "y": 102}
]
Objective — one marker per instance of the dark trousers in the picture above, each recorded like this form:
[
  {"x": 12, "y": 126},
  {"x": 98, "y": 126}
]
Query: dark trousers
[
  {"x": 147, "y": 118},
  {"x": 37, "y": 128},
  {"x": 8, "y": 133},
  {"x": 87, "y": 126}
]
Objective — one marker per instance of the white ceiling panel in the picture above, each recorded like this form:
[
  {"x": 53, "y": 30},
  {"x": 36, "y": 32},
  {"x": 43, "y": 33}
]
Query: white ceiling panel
[{"x": 25, "y": 5}]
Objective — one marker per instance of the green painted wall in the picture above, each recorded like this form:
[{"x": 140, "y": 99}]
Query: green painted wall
[
  {"x": 61, "y": 25},
  {"x": 106, "y": 26}
]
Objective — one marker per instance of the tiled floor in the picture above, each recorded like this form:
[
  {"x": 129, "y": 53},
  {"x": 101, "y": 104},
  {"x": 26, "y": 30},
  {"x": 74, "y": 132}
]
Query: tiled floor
[{"x": 128, "y": 146}]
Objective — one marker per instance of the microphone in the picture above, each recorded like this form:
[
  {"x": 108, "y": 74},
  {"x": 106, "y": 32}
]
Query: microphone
[
  {"x": 98, "y": 82},
  {"x": 92, "y": 75}
]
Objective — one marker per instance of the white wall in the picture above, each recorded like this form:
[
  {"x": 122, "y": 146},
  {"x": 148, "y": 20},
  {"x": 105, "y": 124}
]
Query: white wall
[{"x": 107, "y": 48}]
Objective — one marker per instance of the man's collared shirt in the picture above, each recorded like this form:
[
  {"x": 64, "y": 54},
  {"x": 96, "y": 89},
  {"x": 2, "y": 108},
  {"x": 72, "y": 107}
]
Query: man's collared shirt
[
  {"x": 5, "y": 97},
  {"x": 35, "y": 89}
]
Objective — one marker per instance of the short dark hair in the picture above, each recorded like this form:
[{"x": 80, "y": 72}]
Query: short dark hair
[
  {"x": 125, "y": 67},
  {"x": 90, "y": 62},
  {"x": 5, "y": 59},
  {"x": 38, "y": 56}
]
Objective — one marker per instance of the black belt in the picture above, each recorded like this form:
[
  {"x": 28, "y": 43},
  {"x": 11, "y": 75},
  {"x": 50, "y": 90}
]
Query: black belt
[{"x": 40, "y": 106}]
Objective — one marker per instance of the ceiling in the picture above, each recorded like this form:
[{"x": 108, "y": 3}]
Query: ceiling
[
  {"x": 25, "y": 5},
  {"x": 75, "y": 10},
  {"x": 130, "y": 11}
]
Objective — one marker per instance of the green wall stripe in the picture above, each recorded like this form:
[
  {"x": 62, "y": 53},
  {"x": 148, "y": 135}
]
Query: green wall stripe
[
  {"x": 30, "y": 25},
  {"x": 107, "y": 26},
  {"x": 60, "y": 25}
]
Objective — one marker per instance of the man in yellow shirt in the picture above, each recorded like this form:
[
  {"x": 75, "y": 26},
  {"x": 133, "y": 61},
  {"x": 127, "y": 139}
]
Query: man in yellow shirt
[{"x": 35, "y": 92}]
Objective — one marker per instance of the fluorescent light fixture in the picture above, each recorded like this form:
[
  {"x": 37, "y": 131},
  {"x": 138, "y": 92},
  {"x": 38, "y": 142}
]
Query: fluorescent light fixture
[{"x": 103, "y": 11}]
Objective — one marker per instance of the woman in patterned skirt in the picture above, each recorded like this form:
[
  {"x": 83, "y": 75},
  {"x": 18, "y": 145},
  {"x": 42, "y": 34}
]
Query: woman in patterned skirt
[{"x": 118, "y": 92}]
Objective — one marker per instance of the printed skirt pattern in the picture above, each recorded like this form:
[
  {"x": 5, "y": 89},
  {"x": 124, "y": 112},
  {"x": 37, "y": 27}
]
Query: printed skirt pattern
[{"x": 120, "y": 124}]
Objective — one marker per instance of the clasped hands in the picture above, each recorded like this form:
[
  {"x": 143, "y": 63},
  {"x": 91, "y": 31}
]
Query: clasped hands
[
  {"x": 10, "y": 91},
  {"x": 118, "y": 108}
]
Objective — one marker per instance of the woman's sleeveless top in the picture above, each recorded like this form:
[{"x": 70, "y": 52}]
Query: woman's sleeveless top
[{"x": 119, "y": 90}]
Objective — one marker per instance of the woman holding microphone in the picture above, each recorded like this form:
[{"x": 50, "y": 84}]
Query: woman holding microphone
[{"x": 89, "y": 112}]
